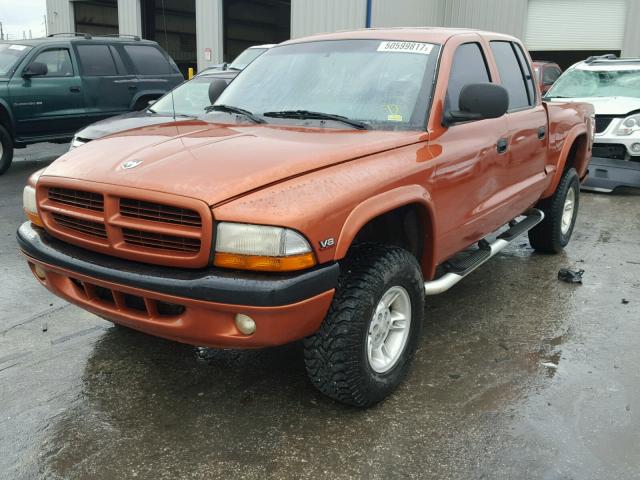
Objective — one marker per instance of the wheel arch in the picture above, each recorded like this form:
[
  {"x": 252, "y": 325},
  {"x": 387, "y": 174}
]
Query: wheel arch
[
  {"x": 399, "y": 204},
  {"x": 576, "y": 153},
  {"x": 6, "y": 117}
]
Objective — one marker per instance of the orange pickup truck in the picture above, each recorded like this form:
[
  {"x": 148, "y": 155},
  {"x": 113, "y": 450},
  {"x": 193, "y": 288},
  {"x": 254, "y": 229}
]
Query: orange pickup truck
[{"x": 338, "y": 181}]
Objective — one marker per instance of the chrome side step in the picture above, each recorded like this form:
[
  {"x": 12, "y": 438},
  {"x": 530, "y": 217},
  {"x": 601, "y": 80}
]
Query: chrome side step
[{"x": 458, "y": 269}]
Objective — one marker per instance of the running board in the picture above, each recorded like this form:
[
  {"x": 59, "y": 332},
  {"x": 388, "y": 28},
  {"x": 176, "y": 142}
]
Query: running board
[{"x": 457, "y": 269}]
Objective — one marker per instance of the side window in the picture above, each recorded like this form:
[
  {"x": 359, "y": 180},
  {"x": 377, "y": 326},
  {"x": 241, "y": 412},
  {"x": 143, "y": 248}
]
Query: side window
[
  {"x": 58, "y": 62},
  {"x": 550, "y": 75},
  {"x": 148, "y": 60},
  {"x": 511, "y": 75},
  {"x": 469, "y": 66},
  {"x": 96, "y": 60}
]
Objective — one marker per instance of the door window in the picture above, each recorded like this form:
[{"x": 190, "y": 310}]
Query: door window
[
  {"x": 148, "y": 60},
  {"x": 96, "y": 60},
  {"x": 58, "y": 62},
  {"x": 511, "y": 75},
  {"x": 469, "y": 66},
  {"x": 550, "y": 75}
]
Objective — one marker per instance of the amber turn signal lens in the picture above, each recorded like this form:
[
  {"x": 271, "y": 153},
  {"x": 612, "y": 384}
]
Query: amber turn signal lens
[
  {"x": 264, "y": 264},
  {"x": 34, "y": 218}
]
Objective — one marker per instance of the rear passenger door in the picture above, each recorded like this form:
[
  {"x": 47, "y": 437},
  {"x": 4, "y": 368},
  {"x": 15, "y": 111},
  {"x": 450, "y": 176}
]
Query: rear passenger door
[
  {"x": 527, "y": 123},
  {"x": 155, "y": 72},
  {"x": 108, "y": 86}
]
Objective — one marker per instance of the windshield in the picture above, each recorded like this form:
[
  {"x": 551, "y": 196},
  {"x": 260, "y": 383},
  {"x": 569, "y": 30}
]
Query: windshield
[
  {"x": 9, "y": 56},
  {"x": 577, "y": 83},
  {"x": 384, "y": 84},
  {"x": 246, "y": 57},
  {"x": 190, "y": 99}
]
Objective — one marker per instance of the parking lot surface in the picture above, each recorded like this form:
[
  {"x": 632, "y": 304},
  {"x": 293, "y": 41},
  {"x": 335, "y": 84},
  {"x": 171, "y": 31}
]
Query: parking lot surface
[{"x": 518, "y": 375}]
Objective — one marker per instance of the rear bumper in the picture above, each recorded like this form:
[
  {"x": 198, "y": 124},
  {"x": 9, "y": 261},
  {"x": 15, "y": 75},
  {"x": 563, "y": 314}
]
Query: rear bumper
[
  {"x": 606, "y": 174},
  {"x": 191, "y": 306}
]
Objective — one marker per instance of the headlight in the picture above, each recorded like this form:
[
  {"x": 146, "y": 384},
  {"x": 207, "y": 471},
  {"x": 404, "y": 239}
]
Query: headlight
[
  {"x": 30, "y": 206},
  {"x": 77, "y": 142},
  {"x": 259, "y": 247},
  {"x": 629, "y": 125}
]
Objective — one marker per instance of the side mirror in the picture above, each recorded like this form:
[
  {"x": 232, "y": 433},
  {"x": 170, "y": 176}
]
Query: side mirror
[
  {"x": 479, "y": 101},
  {"x": 216, "y": 87},
  {"x": 36, "y": 69}
]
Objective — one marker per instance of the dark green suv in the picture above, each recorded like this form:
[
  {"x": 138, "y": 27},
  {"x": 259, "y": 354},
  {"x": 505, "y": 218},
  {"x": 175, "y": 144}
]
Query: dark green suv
[{"x": 51, "y": 87}]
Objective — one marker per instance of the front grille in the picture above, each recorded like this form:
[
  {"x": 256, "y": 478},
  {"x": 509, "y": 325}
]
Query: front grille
[
  {"x": 87, "y": 227},
  {"x": 127, "y": 222},
  {"x": 614, "y": 151},
  {"x": 77, "y": 198},
  {"x": 161, "y": 241},
  {"x": 159, "y": 213},
  {"x": 602, "y": 122}
]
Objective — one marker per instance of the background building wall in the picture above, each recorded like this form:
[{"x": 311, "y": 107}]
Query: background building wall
[
  {"x": 407, "y": 13},
  {"x": 129, "y": 17},
  {"x": 59, "y": 16},
  {"x": 209, "y": 32},
  {"x": 631, "y": 45},
  {"x": 503, "y": 16},
  {"x": 319, "y": 16}
]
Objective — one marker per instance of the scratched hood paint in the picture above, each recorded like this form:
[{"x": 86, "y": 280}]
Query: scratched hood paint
[{"x": 215, "y": 162}]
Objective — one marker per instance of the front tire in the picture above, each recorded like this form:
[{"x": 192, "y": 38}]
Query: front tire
[
  {"x": 6, "y": 150},
  {"x": 561, "y": 211},
  {"x": 366, "y": 343}
]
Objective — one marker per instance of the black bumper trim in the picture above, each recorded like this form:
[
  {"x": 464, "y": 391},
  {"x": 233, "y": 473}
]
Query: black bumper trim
[{"x": 210, "y": 284}]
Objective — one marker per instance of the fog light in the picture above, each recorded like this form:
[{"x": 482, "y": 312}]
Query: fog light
[
  {"x": 245, "y": 324},
  {"x": 635, "y": 147},
  {"x": 40, "y": 273}
]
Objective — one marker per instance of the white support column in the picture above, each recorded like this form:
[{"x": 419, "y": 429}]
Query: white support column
[
  {"x": 129, "y": 17},
  {"x": 60, "y": 17},
  {"x": 209, "y": 32},
  {"x": 631, "y": 45}
]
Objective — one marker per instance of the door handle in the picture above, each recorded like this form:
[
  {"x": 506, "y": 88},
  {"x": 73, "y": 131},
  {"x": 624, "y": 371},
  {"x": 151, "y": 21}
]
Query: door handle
[
  {"x": 542, "y": 132},
  {"x": 502, "y": 145},
  {"x": 74, "y": 89}
]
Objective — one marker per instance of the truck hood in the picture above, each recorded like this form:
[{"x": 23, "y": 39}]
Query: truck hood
[
  {"x": 607, "y": 105},
  {"x": 120, "y": 123},
  {"x": 216, "y": 162}
]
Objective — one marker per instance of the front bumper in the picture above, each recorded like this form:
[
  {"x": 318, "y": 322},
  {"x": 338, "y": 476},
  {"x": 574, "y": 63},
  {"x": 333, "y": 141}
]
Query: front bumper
[
  {"x": 605, "y": 175},
  {"x": 191, "y": 306}
]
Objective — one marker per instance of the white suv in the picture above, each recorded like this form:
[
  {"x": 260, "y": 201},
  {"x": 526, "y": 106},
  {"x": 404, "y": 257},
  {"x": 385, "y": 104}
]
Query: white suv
[{"x": 612, "y": 85}]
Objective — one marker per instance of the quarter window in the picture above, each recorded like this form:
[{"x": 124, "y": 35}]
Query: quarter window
[
  {"x": 512, "y": 75},
  {"x": 58, "y": 62},
  {"x": 96, "y": 60},
  {"x": 148, "y": 60},
  {"x": 469, "y": 66}
]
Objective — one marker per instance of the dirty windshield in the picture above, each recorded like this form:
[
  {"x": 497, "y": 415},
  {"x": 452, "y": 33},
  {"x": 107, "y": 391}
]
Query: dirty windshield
[
  {"x": 380, "y": 84},
  {"x": 9, "y": 56},
  {"x": 578, "y": 83}
]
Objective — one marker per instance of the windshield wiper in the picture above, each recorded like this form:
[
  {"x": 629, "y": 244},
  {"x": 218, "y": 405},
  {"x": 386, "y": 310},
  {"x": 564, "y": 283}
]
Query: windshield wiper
[
  {"x": 232, "y": 109},
  {"x": 306, "y": 114}
]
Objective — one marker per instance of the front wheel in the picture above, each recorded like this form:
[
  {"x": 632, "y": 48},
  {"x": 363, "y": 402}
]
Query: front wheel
[
  {"x": 6, "y": 150},
  {"x": 366, "y": 343},
  {"x": 560, "y": 214}
]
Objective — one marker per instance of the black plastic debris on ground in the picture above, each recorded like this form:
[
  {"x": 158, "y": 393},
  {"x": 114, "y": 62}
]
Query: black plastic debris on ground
[{"x": 570, "y": 276}]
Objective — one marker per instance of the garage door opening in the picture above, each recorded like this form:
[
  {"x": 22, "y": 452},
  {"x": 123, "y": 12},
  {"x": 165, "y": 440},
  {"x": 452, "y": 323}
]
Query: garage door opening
[
  {"x": 254, "y": 22},
  {"x": 172, "y": 23},
  {"x": 567, "y": 58},
  {"x": 96, "y": 17}
]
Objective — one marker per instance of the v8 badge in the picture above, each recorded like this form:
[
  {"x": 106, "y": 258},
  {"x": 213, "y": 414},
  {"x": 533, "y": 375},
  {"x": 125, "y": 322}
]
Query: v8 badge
[{"x": 327, "y": 243}]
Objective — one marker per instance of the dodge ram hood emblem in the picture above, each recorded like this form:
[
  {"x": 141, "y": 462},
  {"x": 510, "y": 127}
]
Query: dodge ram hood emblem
[{"x": 131, "y": 164}]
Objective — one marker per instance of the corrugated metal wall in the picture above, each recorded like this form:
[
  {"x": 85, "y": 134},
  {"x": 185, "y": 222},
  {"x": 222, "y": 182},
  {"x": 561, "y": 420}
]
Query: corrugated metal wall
[
  {"x": 60, "y": 16},
  {"x": 407, "y": 13},
  {"x": 319, "y": 16},
  {"x": 631, "y": 44},
  {"x": 129, "y": 17},
  {"x": 504, "y": 16}
]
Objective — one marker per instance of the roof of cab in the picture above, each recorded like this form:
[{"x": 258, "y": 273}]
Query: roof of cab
[{"x": 436, "y": 35}]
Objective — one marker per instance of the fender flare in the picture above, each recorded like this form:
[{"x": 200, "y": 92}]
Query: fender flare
[
  {"x": 5, "y": 106},
  {"x": 573, "y": 134},
  {"x": 386, "y": 202}
]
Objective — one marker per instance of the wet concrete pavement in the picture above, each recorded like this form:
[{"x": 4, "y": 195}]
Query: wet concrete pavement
[{"x": 517, "y": 376}]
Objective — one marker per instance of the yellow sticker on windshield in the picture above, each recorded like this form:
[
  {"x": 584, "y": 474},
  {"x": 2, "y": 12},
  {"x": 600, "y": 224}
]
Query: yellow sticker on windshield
[
  {"x": 394, "y": 118},
  {"x": 394, "y": 113}
]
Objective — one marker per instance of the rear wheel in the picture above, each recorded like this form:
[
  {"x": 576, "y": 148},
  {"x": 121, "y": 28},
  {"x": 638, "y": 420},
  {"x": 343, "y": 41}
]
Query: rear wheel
[
  {"x": 366, "y": 343},
  {"x": 6, "y": 150},
  {"x": 561, "y": 211}
]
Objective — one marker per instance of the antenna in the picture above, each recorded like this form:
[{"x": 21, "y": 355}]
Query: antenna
[{"x": 166, "y": 46}]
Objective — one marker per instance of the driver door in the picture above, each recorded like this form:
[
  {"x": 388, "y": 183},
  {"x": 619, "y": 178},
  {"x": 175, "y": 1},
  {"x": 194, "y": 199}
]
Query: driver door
[{"x": 49, "y": 105}]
